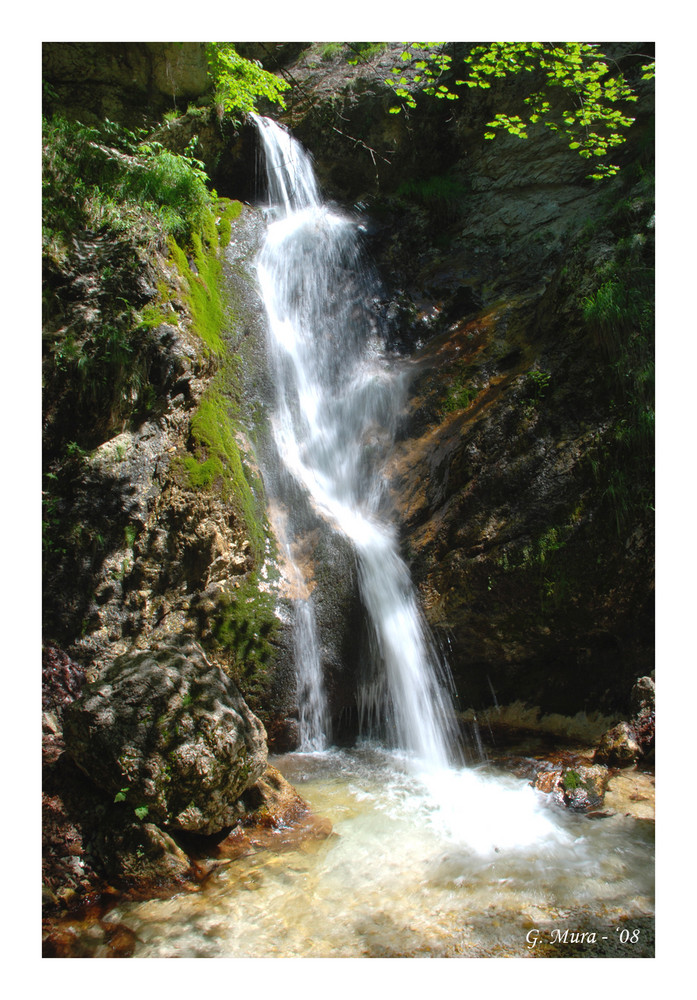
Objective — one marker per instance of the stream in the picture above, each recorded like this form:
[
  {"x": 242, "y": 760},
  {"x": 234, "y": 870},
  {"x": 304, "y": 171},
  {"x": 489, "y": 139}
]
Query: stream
[{"x": 472, "y": 863}]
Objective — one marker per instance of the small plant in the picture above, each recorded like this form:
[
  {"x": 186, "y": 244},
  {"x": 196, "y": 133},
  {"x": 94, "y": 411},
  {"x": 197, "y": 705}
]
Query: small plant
[
  {"x": 537, "y": 384},
  {"x": 330, "y": 49},
  {"x": 363, "y": 51},
  {"x": 459, "y": 397},
  {"x": 217, "y": 463},
  {"x": 572, "y": 780}
]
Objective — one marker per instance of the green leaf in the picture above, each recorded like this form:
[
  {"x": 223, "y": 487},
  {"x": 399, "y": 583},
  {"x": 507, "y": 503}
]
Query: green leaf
[{"x": 141, "y": 812}]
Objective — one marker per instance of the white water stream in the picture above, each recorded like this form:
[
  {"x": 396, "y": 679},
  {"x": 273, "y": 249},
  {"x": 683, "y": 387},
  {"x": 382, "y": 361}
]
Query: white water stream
[{"x": 336, "y": 411}]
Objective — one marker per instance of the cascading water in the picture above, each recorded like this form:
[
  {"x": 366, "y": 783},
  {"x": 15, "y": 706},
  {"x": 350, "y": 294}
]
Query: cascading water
[
  {"x": 336, "y": 412},
  {"x": 429, "y": 861}
]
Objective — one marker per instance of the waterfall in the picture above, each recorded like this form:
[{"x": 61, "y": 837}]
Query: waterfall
[{"x": 336, "y": 410}]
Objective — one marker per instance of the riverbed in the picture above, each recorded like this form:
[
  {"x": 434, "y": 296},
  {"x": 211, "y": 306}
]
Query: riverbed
[{"x": 466, "y": 862}]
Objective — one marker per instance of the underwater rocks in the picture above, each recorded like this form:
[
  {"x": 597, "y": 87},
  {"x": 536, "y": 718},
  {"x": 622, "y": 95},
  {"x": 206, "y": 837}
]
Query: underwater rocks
[{"x": 168, "y": 733}]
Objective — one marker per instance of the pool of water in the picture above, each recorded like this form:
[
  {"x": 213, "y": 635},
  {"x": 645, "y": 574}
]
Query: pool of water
[{"x": 457, "y": 863}]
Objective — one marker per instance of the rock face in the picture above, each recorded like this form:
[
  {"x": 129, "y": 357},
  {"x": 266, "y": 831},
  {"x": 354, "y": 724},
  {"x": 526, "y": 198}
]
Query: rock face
[
  {"x": 135, "y": 75},
  {"x": 171, "y": 734},
  {"x": 627, "y": 742},
  {"x": 522, "y": 294}
]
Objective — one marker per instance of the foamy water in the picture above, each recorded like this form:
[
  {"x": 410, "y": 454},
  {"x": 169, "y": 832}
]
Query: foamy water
[{"x": 462, "y": 863}]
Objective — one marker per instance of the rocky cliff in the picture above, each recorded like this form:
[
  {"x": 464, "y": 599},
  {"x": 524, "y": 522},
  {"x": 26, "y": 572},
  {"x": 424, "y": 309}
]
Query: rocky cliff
[{"x": 522, "y": 294}]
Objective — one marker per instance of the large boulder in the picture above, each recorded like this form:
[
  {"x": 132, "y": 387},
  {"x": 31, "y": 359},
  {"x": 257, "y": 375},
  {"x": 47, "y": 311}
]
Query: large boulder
[{"x": 168, "y": 734}]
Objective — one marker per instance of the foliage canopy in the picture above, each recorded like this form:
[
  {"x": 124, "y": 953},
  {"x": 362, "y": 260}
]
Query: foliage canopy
[
  {"x": 573, "y": 91},
  {"x": 239, "y": 82}
]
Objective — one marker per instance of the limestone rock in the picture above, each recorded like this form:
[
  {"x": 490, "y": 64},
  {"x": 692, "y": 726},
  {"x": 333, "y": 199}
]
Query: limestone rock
[
  {"x": 618, "y": 746},
  {"x": 643, "y": 696},
  {"x": 171, "y": 734},
  {"x": 642, "y": 702},
  {"x": 584, "y": 787},
  {"x": 581, "y": 788},
  {"x": 272, "y": 801},
  {"x": 632, "y": 793},
  {"x": 144, "y": 856}
]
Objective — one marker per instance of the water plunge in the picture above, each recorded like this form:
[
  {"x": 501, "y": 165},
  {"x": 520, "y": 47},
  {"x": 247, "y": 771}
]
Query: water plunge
[{"x": 336, "y": 411}]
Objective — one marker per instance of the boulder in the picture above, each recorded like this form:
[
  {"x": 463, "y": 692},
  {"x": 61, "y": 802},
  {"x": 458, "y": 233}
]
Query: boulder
[
  {"x": 643, "y": 696},
  {"x": 169, "y": 735},
  {"x": 580, "y": 788},
  {"x": 642, "y": 702},
  {"x": 584, "y": 787},
  {"x": 618, "y": 747}
]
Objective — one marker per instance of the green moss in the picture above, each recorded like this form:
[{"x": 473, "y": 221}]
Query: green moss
[
  {"x": 459, "y": 397},
  {"x": 216, "y": 463},
  {"x": 571, "y": 780},
  {"x": 203, "y": 276},
  {"x": 244, "y": 629},
  {"x": 229, "y": 212}
]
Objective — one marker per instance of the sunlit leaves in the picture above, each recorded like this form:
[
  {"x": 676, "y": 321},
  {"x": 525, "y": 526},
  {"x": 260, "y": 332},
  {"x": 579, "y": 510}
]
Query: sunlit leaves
[
  {"x": 594, "y": 95},
  {"x": 240, "y": 82},
  {"x": 431, "y": 62}
]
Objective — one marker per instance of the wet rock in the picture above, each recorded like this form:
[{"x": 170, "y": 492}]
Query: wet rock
[
  {"x": 581, "y": 787},
  {"x": 632, "y": 793},
  {"x": 278, "y": 819},
  {"x": 87, "y": 938},
  {"x": 170, "y": 735},
  {"x": 643, "y": 696},
  {"x": 272, "y": 801},
  {"x": 642, "y": 703},
  {"x": 584, "y": 787},
  {"x": 618, "y": 747},
  {"x": 143, "y": 856}
]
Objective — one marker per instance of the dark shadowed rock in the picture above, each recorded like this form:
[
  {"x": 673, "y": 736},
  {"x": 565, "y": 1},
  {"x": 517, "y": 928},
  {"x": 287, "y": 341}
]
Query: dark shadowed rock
[
  {"x": 643, "y": 696},
  {"x": 618, "y": 746},
  {"x": 171, "y": 735}
]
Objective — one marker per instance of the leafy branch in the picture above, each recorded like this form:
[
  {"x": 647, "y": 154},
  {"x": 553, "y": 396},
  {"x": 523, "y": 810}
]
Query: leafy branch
[
  {"x": 239, "y": 82},
  {"x": 594, "y": 110}
]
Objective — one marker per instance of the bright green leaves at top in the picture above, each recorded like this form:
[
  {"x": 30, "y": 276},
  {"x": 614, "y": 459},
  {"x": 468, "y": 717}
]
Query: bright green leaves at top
[
  {"x": 591, "y": 106},
  {"x": 240, "y": 82},
  {"x": 431, "y": 62}
]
